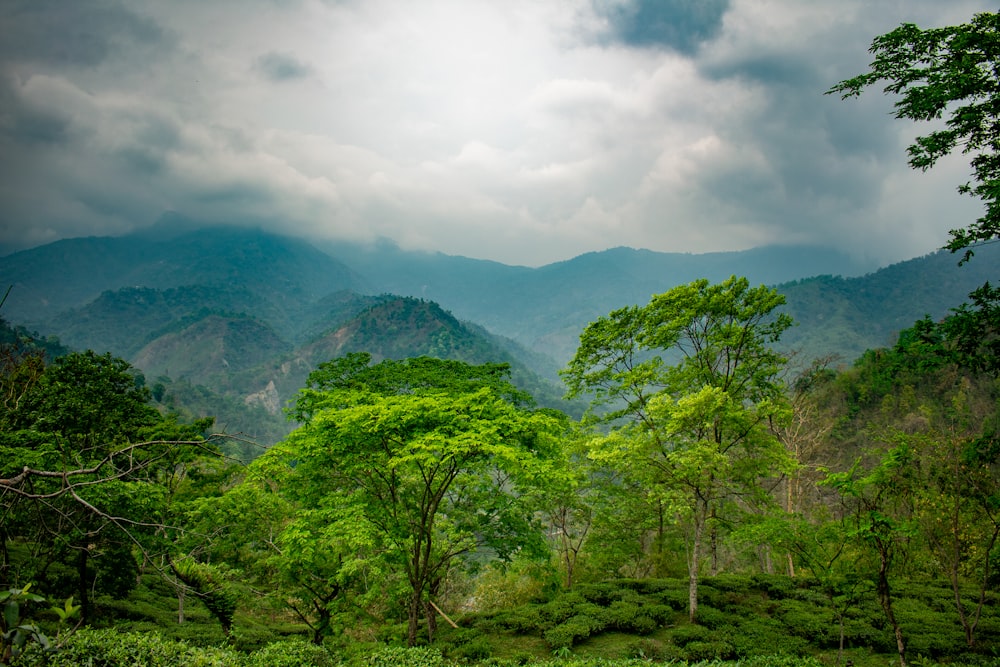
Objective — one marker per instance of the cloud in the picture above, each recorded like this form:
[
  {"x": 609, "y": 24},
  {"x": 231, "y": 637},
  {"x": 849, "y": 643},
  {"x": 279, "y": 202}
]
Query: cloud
[
  {"x": 75, "y": 34},
  {"x": 280, "y": 67},
  {"x": 525, "y": 131},
  {"x": 682, "y": 25}
]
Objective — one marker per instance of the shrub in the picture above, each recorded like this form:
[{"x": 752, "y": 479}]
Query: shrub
[
  {"x": 776, "y": 586},
  {"x": 660, "y": 613},
  {"x": 572, "y": 631},
  {"x": 685, "y": 634},
  {"x": 291, "y": 654},
  {"x": 712, "y": 618},
  {"x": 110, "y": 648},
  {"x": 562, "y": 608},
  {"x": 806, "y": 620},
  {"x": 523, "y": 620},
  {"x": 475, "y": 650},
  {"x": 709, "y": 650},
  {"x": 650, "y": 649},
  {"x": 394, "y": 656},
  {"x": 601, "y": 594}
]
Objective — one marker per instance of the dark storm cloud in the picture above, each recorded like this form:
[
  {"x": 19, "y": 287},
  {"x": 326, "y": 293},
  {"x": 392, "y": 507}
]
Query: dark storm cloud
[
  {"x": 24, "y": 124},
  {"x": 280, "y": 67},
  {"x": 71, "y": 33},
  {"x": 680, "y": 25}
]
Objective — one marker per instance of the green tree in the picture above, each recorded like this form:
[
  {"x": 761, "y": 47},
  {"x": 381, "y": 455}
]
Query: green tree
[
  {"x": 425, "y": 454},
  {"x": 691, "y": 383},
  {"x": 84, "y": 464},
  {"x": 952, "y": 73},
  {"x": 880, "y": 511}
]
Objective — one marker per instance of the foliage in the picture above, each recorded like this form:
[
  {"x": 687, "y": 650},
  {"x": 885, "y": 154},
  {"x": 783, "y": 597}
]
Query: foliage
[
  {"x": 16, "y": 632},
  {"x": 938, "y": 72},
  {"x": 692, "y": 383},
  {"x": 417, "y": 460}
]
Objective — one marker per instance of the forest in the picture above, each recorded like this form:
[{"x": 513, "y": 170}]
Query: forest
[{"x": 719, "y": 502}]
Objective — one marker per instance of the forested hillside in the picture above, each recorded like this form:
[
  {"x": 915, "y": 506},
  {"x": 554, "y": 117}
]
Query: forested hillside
[{"x": 817, "y": 516}]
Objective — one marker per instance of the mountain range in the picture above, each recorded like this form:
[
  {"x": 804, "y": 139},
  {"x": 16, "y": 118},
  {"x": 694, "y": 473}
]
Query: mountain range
[{"x": 230, "y": 320}]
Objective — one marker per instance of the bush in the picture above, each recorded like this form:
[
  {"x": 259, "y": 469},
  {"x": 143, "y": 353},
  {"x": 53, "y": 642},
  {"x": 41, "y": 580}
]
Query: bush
[
  {"x": 685, "y": 634},
  {"x": 110, "y": 648},
  {"x": 562, "y": 608},
  {"x": 649, "y": 649},
  {"x": 709, "y": 650},
  {"x": 475, "y": 650},
  {"x": 712, "y": 618},
  {"x": 523, "y": 620},
  {"x": 601, "y": 594},
  {"x": 775, "y": 586},
  {"x": 806, "y": 620},
  {"x": 395, "y": 656},
  {"x": 572, "y": 631},
  {"x": 291, "y": 654}
]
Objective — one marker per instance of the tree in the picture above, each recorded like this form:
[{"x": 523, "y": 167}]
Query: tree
[
  {"x": 880, "y": 504},
  {"x": 82, "y": 461},
  {"x": 425, "y": 454},
  {"x": 699, "y": 428},
  {"x": 951, "y": 72}
]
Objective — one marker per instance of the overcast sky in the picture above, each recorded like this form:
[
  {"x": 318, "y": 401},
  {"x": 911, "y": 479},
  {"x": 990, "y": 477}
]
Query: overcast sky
[{"x": 525, "y": 131}]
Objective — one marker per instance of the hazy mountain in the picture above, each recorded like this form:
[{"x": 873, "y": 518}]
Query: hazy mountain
[
  {"x": 283, "y": 274},
  {"x": 211, "y": 351},
  {"x": 847, "y": 316},
  {"x": 545, "y": 308},
  {"x": 234, "y": 319}
]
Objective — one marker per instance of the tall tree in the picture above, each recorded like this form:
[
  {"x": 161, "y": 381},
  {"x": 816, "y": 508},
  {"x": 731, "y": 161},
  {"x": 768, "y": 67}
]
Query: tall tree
[
  {"x": 880, "y": 504},
  {"x": 426, "y": 454},
  {"x": 84, "y": 468},
  {"x": 691, "y": 383}
]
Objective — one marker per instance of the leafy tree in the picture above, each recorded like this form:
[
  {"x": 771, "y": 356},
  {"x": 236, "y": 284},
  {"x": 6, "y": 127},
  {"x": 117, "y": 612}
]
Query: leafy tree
[
  {"x": 425, "y": 454},
  {"x": 701, "y": 425},
  {"x": 880, "y": 504},
  {"x": 953, "y": 73},
  {"x": 84, "y": 471}
]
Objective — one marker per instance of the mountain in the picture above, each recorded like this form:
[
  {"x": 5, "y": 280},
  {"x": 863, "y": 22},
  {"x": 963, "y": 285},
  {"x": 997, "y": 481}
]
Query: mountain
[
  {"x": 230, "y": 321},
  {"x": 211, "y": 351},
  {"x": 545, "y": 308},
  {"x": 283, "y": 275},
  {"x": 846, "y": 316}
]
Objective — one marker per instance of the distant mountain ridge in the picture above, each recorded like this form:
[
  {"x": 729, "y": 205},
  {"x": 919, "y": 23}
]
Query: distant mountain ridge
[{"x": 247, "y": 314}]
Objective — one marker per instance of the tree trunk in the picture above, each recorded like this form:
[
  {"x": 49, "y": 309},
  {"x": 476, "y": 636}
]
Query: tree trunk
[
  {"x": 431, "y": 617},
  {"x": 414, "y": 619},
  {"x": 693, "y": 569},
  {"x": 83, "y": 585},
  {"x": 885, "y": 598},
  {"x": 180, "y": 605},
  {"x": 715, "y": 545}
]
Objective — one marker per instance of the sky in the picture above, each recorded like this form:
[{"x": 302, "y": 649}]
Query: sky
[{"x": 521, "y": 131}]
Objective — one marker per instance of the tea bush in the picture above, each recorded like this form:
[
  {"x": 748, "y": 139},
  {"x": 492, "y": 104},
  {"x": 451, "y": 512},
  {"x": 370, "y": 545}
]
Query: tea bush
[
  {"x": 394, "y": 656},
  {"x": 709, "y": 650},
  {"x": 572, "y": 631},
  {"x": 291, "y": 654},
  {"x": 111, "y": 648},
  {"x": 685, "y": 634}
]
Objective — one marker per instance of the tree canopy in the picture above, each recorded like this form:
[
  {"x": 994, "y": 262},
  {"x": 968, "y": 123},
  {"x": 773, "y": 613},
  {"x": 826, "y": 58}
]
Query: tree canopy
[{"x": 950, "y": 73}]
